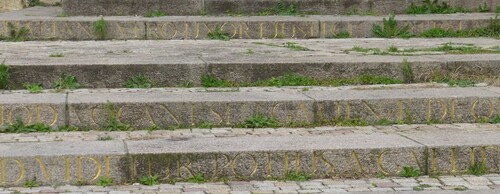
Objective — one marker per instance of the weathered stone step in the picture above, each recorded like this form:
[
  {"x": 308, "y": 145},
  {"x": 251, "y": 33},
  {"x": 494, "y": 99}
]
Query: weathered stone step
[
  {"x": 221, "y": 7},
  {"x": 151, "y": 109},
  {"x": 110, "y": 64},
  {"x": 433, "y": 152},
  {"x": 43, "y": 24}
]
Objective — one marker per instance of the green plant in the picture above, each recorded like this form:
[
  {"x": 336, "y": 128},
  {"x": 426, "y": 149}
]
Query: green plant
[
  {"x": 497, "y": 10},
  {"x": 483, "y": 8},
  {"x": 433, "y": 7},
  {"x": 478, "y": 169},
  {"x": 205, "y": 125},
  {"x": 198, "y": 178},
  {"x": 249, "y": 51},
  {"x": 393, "y": 49},
  {"x": 100, "y": 28},
  {"x": 20, "y": 127},
  {"x": 32, "y": 3},
  {"x": 409, "y": 171},
  {"x": 218, "y": 34},
  {"x": 295, "y": 47},
  {"x": 156, "y": 13},
  {"x": 259, "y": 121},
  {"x": 149, "y": 180},
  {"x": 31, "y": 183},
  {"x": 342, "y": 34},
  {"x": 104, "y": 181},
  {"x": 105, "y": 138},
  {"x": 407, "y": 72},
  {"x": 390, "y": 29},
  {"x": 350, "y": 122},
  {"x": 33, "y": 88},
  {"x": 297, "y": 176},
  {"x": 4, "y": 75},
  {"x": 14, "y": 34},
  {"x": 139, "y": 81},
  {"x": 62, "y": 14},
  {"x": 212, "y": 81},
  {"x": 288, "y": 80},
  {"x": 281, "y": 8},
  {"x": 460, "y": 188},
  {"x": 112, "y": 122},
  {"x": 384, "y": 122},
  {"x": 66, "y": 82},
  {"x": 56, "y": 55},
  {"x": 495, "y": 120}
]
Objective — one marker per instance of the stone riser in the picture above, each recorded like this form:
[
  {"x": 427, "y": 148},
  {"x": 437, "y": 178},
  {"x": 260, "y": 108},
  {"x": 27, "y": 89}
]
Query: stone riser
[
  {"x": 145, "y": 109},
  {"x": 177, "y": 28},
  {"x": 258, "y": 158},
  {"x": 251, "y": 7},
  {"x": 173, "y": 75}
]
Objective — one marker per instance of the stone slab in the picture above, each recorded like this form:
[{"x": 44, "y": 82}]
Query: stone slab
[
  {"x": 62, "y": 162},
  {"x": 407, "y": 105},
  {"x": 47, "y": 108},
  {"x": 42, "y": 23},
  {"x": 222, "y": 7},
  {"x": 145, "y": 109},
  {"x": 11, "y": 5},
  {"x": 258, "y": 158}
]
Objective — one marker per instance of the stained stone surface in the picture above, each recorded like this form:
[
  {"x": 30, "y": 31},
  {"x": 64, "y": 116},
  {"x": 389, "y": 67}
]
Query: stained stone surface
[
  {"x": 11, "y": 5},
  {"x": 43, "y": 23}
]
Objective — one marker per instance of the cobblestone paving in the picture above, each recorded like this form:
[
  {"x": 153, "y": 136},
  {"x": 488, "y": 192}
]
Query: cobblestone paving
[
  {"x": 455, "y": 183},
  {"x": 233, "y": 132}
]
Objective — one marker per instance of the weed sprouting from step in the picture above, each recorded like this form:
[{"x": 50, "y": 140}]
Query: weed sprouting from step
[
  {"x": 288, "y": 80},
  {"x": 295, "y": 47},
  {"x": 31, "y": 183},
  {"x": 104, "y": 181},
  {"x": 205, "y": 125},
  {"x": 197, "y": 178},
  {"x": 296, "y": 176},
  {"x": 139, "y": 81},
  {"x": 408, "y": 75},
  {"x": 434, "y": 7},
  {"x": 384, "y": 122},
  {"x": 421, "y": 187},
  {"x": 281, "y": 8},
  {"x": 33, "y": 88},
  {"x": 259, "y": 121},
  {"x": 218, "y": 34},
  {"x": 409, "y": 171},
  {"x": 350, "y": 122},
  {"x": 105, "y": 138},
  {"x": 459, "y": 83},
  {"x": 483, "y": 8},
  {"x": 4, "y": 75},
  {"x": 56, "y": 55},
  {"x": 62, "y": 15},
  {"x": 390, "y": 29},
  {"x": 100, "y": 29},
  {"x": 495, "y": 120},
  {"x": 460, "y": 188},
  {"x": 149, "y": 180},
  {"x": 112, "y": 122},
  {"x": 66, "y": 82},
  {"x": 342, "y": 34},
  {"x": 33, "y": 3},
  {"x": 15, "y": 35},
  {"x": 209, "y": 81},
  {"x": 478, "y": 169},
  {"x": 497, "y": 10},
  {"x": 156, "y": 13},
  {"x": 20, "y": 127}
]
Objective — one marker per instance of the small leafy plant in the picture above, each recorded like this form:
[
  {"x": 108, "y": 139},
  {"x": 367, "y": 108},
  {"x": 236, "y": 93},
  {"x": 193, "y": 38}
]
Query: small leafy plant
[
  {"x": 113, "y": 124},
  {"x": 281, "y": 8},
  {"x": 33, "y": 88},
  {"x": 149, "y": 180},
  {"x": 408, "y": 75},
  {"x": 212, "y": 81},
  {"x": 390, "y": 29},
  {"x": 297, "y": 176},
  {"x": 20, "y": 127},
  {"x": 259, "y": 121},
  {"x": 100, "y": 29},
  {"x": 4, "y": 75},
  {"x": 218, "y": 34},
  {"x": 14, "y": 34},
  {"x": 56, "y": 55},
  {"x": 104, "y": 181},
  {"x": 409, "y": 171},
  {"x": 67, "y": 82},
  {"x": 156, "y": 13},
  {"x": 197, "y": 178},
  {"x": 295, "y": 47},
  {"x": 31, "y": 183},
  {"x": 139, "y": 81},
  {"x": 478, "y": 169}
]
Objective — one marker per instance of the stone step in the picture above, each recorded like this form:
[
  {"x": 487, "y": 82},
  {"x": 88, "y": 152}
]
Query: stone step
[
  {"x": 42, "y": 23},
  {"x": 446, "y": 151},
  {"x": 110, "y": 64},
  {"x": 185, "y": 108},
  {"x": 249, "y": 7}
]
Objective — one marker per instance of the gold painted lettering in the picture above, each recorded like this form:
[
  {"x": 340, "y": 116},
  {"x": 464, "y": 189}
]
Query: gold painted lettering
[
  {"x": 234, "y": 165},
  {"x": 217, "y": 165},
  {"x": 473, "y": 109},
  {"x": 320, "y": 155},
  {"x": 19, "y": 164},
  {"x": 170, "y": 114},
  {"x": 12, "y": 118},
  {"x": 97, "y": 164},
  {"x": 355, "y": 157},
  {"x": 43, "y": 168}
]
